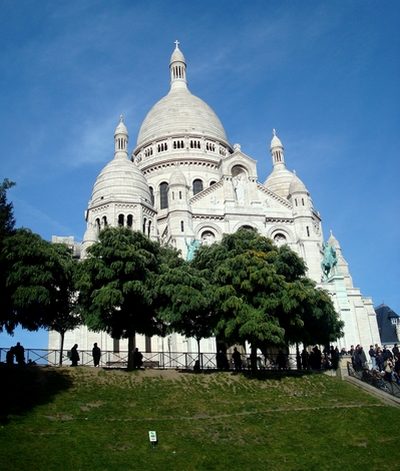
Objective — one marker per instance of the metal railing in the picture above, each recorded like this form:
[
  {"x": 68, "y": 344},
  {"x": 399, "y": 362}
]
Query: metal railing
[
  {"x": 159, "y": 360},
  {"x": 384, "y": 381}
]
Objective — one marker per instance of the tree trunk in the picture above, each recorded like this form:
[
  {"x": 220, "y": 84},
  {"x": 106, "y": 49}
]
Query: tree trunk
[
  {"x": 131, "y": 349},
  {"x": 62, "y": 334},
  {"x": 298, "y": 357},
  {"x": 253, "y": 358},
  {"x": 198, "y": 353}
]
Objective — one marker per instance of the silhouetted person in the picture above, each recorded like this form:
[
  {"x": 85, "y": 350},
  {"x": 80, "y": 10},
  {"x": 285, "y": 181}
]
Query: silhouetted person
[
  {"x": 19, "y": 353},
  {"x": 335, "y": 356},
  {"x": 196, "y": 366},
  {"x": 362, "y": 357},
  {"x": 137, "y": 358},
  {"x": 74, "y": 355},
  {"x": 317, "y": 358},
  {"x": 222, "y": 361},
  {"x": 304, "y": 359},
  {"x": 96, "y": 353},
  {"x": 281, "y": 360},
  {"x": 10, "y": 356},
  {"x": 237, "y": 359}
]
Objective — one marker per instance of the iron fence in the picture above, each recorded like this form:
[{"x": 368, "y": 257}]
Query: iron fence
[
  {"x": 158, "y": 360},
  {"x": 384, "y": 381}
]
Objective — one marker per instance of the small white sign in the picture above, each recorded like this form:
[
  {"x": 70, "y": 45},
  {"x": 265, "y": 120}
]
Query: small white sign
[{"x": 152, "y": 436}]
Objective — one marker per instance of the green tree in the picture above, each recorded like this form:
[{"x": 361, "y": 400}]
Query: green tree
[
  {"x": 186, "y": 301},
  {"x": 7, "y": 221},
  {"x": 7, "y": 225},
  {"x": 321, "y": 324},
  {"x": 263, "y": 295},
  {"x": 117, "y": 285},
  {"x": 65, "y": 314},
  {"x": 39, "y": 278}
]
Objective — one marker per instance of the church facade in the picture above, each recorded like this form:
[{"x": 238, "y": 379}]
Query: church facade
[{"x": 184, "y": 184}]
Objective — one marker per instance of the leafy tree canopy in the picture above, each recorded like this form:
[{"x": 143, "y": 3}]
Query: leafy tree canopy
[
  {"x": 263, "y": 295},
  {"x": 186, "y": 301},
  {"x": 7, "y": 221},
  {"x": 38, "y": 282},
  {"x": 117, "y": 282},
  {"x": 7, "y": 224}
]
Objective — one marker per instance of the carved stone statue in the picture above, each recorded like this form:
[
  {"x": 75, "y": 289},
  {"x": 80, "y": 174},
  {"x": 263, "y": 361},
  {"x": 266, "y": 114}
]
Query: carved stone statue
[
  {"x": 329, "y": 262},
  {"x": 192, "y": 246},
  {"x": 239, "y": 186},
  {"x": 208, "y": 238}
]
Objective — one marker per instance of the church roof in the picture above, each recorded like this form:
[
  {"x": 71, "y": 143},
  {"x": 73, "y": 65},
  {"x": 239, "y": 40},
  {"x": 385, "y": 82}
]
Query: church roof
[
  {"x": 279, "y": 181},
  {"x": 387, "y": 329},
  {"x": 177, "y": 177},
  {"x": 297, "y": 186},
  {"x": 180, "y": 112},
  {"x": 120, "y": 180}
]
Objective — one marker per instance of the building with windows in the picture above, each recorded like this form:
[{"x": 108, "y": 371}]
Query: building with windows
[
  {"x": 388, "y": 324},
  {"x": 184, "y": 184}
]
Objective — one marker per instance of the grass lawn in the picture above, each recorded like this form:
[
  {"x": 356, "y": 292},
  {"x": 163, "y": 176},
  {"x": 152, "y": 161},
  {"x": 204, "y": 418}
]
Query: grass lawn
[{"x": 78, "y": 419}]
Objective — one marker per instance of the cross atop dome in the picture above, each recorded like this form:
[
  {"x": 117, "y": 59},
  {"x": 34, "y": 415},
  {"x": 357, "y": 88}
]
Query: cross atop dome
[{"x": 177, "y": 66}]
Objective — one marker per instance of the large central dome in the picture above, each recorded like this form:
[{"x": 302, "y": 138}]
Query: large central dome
[{"x": 180, "y": 112}]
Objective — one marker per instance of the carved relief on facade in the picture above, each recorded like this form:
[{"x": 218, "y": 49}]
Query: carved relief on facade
[
  {"x": 239, "y": 182},
  {"x": 207, "y": 238}
]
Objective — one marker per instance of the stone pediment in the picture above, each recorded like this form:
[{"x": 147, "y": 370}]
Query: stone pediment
[
  {"x": 272, "y": 199},
  {"x": 238, "y": 158},
  {"x": 212, "y": 193}
]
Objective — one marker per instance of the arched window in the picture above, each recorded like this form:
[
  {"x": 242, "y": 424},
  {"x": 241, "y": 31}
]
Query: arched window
[
  {"x": 280, "y": 239},
  {"x": 129, "y": 220},
  {"x": 152, "y": 195},
  {"x": 144, "y": 225},
  {"x": 197, "y": 186},
  {"x": 121, "y": 220},
  {"x": 164, "y": 195}
]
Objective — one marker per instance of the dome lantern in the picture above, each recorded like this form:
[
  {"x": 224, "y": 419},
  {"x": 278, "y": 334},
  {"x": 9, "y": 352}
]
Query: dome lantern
[
  {"x": 180, "y": 113},
  {"x": 276, "y": 148},
  {"x": 121, "y": 137},
  {"x": 177, "y": 65}
]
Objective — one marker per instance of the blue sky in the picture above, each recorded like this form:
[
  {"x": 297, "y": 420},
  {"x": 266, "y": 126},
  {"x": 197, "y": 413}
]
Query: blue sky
[{"x": 325, "y": 74}]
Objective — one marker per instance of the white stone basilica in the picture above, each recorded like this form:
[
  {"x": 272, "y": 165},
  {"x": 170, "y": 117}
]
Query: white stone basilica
[{"x": 185, "y": 182}]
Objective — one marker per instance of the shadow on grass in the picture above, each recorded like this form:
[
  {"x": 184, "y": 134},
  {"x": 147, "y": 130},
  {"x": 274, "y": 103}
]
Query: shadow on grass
[
  {"x": 260, "y": 375},
  {"x": 24, "y": 387}
]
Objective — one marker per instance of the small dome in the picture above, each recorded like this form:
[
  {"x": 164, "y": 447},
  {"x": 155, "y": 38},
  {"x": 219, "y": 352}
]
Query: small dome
[
  {"x": 297, "y": 186},
  {"x": 275, "y": 141},
  {"x": 121, "y": 180},
  {"x": 279, "y": 181},
  {"x": 121, "y": 128},
  {"x": 177, "y": 177},
  {"x": 90, "y": 236},
  {"x": 333, "y": 241},
  {"x": 177, "y": 55}
]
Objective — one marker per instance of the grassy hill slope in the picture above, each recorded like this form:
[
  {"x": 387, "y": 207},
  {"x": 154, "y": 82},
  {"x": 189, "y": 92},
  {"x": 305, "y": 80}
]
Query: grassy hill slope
[{"x": 78, "y": 419}]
